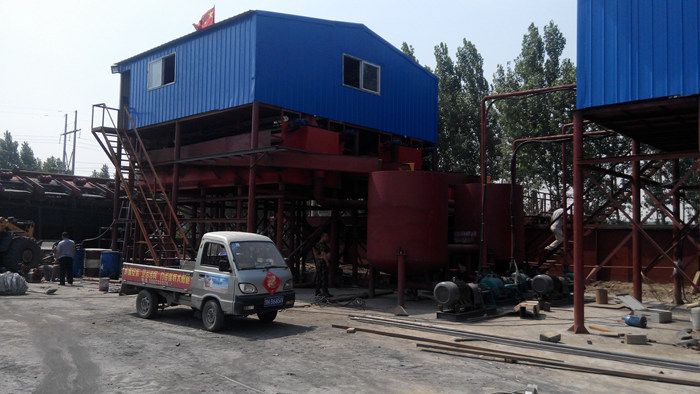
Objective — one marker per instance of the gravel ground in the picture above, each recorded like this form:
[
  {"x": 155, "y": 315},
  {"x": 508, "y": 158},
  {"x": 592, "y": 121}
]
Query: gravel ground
[{"x": 83, "y": 341}]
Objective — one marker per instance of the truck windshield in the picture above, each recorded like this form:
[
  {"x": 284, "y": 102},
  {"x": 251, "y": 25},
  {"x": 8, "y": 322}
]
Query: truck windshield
[{"x": 256, "y": 254}]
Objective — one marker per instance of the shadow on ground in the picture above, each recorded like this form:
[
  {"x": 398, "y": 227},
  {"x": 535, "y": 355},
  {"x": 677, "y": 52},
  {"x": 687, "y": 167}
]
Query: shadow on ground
[{"x": 249, "y": 328}]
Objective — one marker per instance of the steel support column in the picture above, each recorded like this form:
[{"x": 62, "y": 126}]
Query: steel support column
[
  {"x": 677, "y": 278},
  {"x": 255, "y": 124},
  {"x": 279, "y": 219},
  {"x": 579, "y": 283},
  {"x": 564, "y": 206},
  {"x": 176, "y": 172},
  {"x": 636, "y": 216}
]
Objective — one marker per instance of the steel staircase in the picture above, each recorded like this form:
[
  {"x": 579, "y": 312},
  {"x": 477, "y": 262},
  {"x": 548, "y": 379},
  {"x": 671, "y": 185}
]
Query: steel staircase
[{"x": 149, "y": 205}]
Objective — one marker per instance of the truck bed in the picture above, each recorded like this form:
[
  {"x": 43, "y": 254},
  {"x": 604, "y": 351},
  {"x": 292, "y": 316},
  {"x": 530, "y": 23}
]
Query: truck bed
[{"x": 163, "y": 278}]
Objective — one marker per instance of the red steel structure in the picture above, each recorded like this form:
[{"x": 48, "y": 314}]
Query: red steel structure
[{"x": 670, "y": 131}]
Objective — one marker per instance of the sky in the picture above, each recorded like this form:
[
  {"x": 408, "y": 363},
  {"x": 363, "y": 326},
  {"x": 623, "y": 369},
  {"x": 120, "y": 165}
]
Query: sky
[{"x": 55, "y": 56}]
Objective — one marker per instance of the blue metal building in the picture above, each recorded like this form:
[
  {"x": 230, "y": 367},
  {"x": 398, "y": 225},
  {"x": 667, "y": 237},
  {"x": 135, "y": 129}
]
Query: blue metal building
[
  {"x": 336, "y": 70},
  {"x": 631, "y": 50}
]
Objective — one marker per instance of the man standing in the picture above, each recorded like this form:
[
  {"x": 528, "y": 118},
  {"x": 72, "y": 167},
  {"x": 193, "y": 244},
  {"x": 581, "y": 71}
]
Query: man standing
[
  {"x": 65, "y": 251},
  {"x": 322, "y": 257}
]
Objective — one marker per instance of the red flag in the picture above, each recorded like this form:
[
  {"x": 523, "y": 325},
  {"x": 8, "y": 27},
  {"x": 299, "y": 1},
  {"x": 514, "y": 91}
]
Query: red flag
[{"x": 206, "y": 21}]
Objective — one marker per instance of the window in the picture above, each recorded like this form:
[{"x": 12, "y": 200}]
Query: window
[
  {"x": 214, "y": 255},
  {"x": 361, "y": 74},
  {"x": 161, "y": 71}
]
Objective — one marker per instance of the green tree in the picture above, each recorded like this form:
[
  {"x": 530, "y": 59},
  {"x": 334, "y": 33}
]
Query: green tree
[
  {"x": 538, "y": 65},
  {"x": 27, "y": 159},
  {"x": 102, "y": 173},
  {"x": 409, "y": 51},
  {"x": 9, "y": 153},
  {"x": 461, "y": 86},
  {"x": 54, "y": 165}
]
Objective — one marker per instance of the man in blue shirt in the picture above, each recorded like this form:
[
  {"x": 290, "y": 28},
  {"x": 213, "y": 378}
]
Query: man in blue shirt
[{"x": 65, "y": 252}]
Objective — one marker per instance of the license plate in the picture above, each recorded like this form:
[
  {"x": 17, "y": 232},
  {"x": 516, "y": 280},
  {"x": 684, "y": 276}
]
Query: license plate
[{"x": 273, "y": 301}]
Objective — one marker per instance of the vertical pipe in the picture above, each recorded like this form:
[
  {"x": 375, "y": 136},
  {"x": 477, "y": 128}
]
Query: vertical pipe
[
  {"x": 255, "y": 124},
  {"x": 239, "y": 206},
  {"x": 202, "y": 211},
  {"x": 677, "y": 278},
  {"x": 401, "y": 277},
  {"x": 115, "y": 202},
  {"x": 279, "y": 219},
  {"x": 335, "y": 246},
  {"x": 176, "y": 174},
  {"x": 482, "y": 167},
  {"x": 636, "y": 217},
  {"x": 371, "y": 282},
  {"x": 579, "y": 285},
  {"x": 564, "y": 206}
]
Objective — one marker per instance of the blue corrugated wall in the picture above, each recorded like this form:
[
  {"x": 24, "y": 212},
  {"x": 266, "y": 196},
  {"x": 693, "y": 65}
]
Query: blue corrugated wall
[
  {"x": 631, "y": 50},
  {"x": 299, "y": 66},
  {"x": 212, "y": 72},
  {"x": 291, "y": 62}
]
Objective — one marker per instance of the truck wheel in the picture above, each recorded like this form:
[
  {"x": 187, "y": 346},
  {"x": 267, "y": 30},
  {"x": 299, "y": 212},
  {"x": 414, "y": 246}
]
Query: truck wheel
[
  {"x": 267, "y": 317},
  {"x": 146, "y": 304},
  {"x": 212, "y": 316}
]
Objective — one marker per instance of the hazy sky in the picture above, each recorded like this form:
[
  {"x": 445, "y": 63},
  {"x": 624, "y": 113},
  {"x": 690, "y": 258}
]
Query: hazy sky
[{"x": 55, "y": 55}]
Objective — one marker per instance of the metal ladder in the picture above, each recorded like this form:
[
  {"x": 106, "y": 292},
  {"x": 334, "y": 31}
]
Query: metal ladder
[{"x": 150, "y": 206}]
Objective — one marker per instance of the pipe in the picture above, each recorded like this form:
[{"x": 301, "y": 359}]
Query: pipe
[
  {"x": 636, "y": 216},
  {"x": 176, "y": 172},
  {"x": 483, "y": 117},
  {"x": 519, "y": 143},
  {"x": 401, "y": 277},
  {"x": 115, "y": 200},
  {"x": 579, "y": 284},
  {"x": 255, "y": 124},
  {"x": 677, "y": 277}
]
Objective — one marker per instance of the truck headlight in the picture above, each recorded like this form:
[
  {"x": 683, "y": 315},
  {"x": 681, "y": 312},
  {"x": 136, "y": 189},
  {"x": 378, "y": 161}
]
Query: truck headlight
[
  {"x": 288, "y": 285},
  {"x": 248, "y": 288}
]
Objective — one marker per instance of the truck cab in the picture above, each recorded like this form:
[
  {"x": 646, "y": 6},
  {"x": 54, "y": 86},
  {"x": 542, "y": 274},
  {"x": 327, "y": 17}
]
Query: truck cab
[{"x": 244, "y": 273}]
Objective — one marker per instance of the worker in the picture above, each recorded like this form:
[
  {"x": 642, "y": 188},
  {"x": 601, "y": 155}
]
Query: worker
[
  {"x": 322, "y": 259},
  {"x": 557, "y": 228},
  {"x": 65, "y": 251}
]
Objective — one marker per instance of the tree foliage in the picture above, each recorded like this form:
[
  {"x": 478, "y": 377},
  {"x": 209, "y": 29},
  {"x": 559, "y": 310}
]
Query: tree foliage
[
  {"x": 27, "y": 159},
  {"x": 102, "y": 173},
  {"x": 54, "y": 165},
  {"x": 9, "y": 153},
  {"x": 461, "y": 85}
]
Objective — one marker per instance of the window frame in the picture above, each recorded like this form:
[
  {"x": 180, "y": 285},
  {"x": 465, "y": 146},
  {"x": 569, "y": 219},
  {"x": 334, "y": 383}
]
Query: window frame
[
  {"x": 362, "y": 74},
  {"x": 160, "y": 59},
  {"x": 205, "y": 255}
]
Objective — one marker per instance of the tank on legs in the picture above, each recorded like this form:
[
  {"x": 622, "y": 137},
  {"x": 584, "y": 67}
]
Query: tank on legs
[{"x": 407, "y": 210}]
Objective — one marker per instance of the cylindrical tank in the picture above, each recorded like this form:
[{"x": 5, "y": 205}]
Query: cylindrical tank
[
  {"x": 78, "y": 261},
  {"x": 110, "y": 264},
  {"x": 497, "y": 218},
  {"x": 407, "y": 210}
]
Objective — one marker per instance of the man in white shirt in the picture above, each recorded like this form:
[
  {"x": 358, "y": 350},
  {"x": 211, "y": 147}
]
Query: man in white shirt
[
  {"x": 65, "y": 252},
  {"x": 557, "y": 228}
]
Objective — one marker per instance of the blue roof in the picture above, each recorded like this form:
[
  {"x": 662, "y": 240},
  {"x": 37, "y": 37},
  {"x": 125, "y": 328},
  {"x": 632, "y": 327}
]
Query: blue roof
[
  {"x": 288, "y": 61},
  {"x": 631, "y": 50}
]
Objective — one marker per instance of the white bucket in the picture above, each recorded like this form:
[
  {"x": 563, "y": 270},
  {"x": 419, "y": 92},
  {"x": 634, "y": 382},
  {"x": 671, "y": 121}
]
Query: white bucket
[{"x": 695, "y": 318}]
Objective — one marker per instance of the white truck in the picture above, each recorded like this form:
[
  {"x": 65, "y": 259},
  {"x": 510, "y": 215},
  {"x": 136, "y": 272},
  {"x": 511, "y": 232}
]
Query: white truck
[{"x": 235, "y": 273}]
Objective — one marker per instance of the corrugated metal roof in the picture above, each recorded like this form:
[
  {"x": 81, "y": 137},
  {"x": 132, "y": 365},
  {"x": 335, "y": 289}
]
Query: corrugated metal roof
[{"x": 630, "y": 50}]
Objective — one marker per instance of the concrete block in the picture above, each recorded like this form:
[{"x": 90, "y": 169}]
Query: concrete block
[
  {"x": 635, "y": 339},
  {"x": 657, "y": 315},
  {"x": 550, "y": 337},
  {"x": 351, "y": 330}
]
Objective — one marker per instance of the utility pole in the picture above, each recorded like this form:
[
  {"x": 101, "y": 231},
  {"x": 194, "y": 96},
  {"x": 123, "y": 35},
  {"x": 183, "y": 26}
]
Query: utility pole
[{"x": 74, "y": 132}]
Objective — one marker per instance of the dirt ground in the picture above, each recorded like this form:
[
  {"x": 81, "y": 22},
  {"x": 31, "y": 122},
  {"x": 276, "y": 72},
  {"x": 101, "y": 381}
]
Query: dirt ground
[
  {"x": 654, "y": 292},
  {"x": 83, "y": 341}
]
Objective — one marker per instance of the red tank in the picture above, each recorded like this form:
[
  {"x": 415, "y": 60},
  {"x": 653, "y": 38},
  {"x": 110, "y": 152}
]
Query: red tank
[
  {"x": 408, "y": 211},
  {"x": 497, "y": 216}
]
